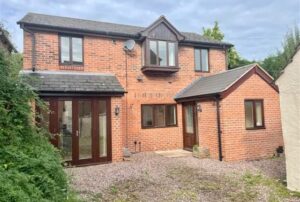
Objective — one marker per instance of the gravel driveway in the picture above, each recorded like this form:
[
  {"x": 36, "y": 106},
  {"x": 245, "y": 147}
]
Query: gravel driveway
[{"x": 151, "y": 177}]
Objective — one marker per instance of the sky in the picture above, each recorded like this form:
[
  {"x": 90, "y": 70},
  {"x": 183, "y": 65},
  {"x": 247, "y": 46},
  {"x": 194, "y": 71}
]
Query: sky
[{"x": 255, "y": 27}]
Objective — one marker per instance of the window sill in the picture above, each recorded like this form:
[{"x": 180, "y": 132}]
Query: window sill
[
  {"x": 71, "y": 67},
  {"x": 173, "y": 126},
  {"x": 200, "y": 71},
  {"x": 162, "y": 69},
  {"x": 257, "y": 128}
]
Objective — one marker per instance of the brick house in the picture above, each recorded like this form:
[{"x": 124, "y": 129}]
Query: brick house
[{"x": 112, "y": 86}]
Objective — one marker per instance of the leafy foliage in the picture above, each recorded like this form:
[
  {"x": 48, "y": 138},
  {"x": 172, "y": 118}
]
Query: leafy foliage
[
  {"x": 275, "y": 63},
  {"x": 30, "y": 167},
  {"x": 214, "y": 32},
  {"x": 234, "y": 59}
]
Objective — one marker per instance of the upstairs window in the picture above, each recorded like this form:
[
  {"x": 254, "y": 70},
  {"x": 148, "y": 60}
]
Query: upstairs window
[
  {"x": 254, "y": 114},
  {"x": 162, "y": 53},
  {"x": 159, "y": 115},
  {"x": 71, "y": 50},
  {"x": 201, "y": 60}
]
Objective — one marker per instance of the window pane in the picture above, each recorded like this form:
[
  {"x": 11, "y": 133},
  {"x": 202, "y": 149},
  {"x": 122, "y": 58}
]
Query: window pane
[
  {"x": 44, "y": 115},
  {"x": 65, "y": 49},
  {"x": 102, "y": 128},
  {"x": 147, "y": 116},
  {"x": 249, "y": 114},
  {"x": 153, "y": 52},
  {"x": 85, "y": 129},
  {"x": 171, "y": 115},
  {"x": 159, "y": 116},
  {"x": 171, "y": 54},
  {"x": 197, "y": 60},
  {"x": 162, "y": 52},
  {"x": 65, "y": 128},
  {"x": 77, "y": 49},
  {"x": 204, "y": 59},
  {"x": 258, "y": 108},
  {"x": 189, "y": 119}
]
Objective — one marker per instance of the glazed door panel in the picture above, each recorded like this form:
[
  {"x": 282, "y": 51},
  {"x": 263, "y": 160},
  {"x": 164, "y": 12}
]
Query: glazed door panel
[
  {"x": 189, "y": 125},
  {"x": 81, "y": 128}
]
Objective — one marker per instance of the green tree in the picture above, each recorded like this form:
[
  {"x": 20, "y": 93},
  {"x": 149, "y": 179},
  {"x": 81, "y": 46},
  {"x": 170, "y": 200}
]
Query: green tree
[
  {"x": 214, "y": 32},
  {"x": 275, "y": 63},
  {"x": 30, "y": 167},
  {"x": 234, "y": 59}
]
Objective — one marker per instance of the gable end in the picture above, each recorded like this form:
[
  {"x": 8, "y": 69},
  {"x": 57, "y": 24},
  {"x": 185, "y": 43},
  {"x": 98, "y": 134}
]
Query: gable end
[
  {"x": 255, "y": 70},
  {"x": 162, "y": 29}
]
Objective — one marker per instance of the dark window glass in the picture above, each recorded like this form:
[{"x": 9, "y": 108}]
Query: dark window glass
[
  {"x": 170, "y": 115},
  {"x": 45, "y": 116},
  {"x": 254, "y": 117},
  {"x": 71, "y": 50},
  {"x": 147, "y": 116},
  {"x": 201, "y": 60},
  {"x": 197, "y": 60},
  {"x": 65, "y": 128},
  {"x": 158, "y": 115},
  {"x": 153, "y": 52},
  {"x": 171, "y": 54},
  {"x": 77, "y": 49},
  {"x": 258, "y": 113},
  {"x": 102, "y": 116},
  {"x": 204, "y": 60},
  {"x": 162, "y": 52},
  {"x": 249, "y": 114},
  {"x": 65, "y": 49}
]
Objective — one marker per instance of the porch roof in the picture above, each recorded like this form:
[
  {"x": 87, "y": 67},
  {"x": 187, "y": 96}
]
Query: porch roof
[
  {"x": 45, "y": 82},
  {"x": 220, "y": 83}
]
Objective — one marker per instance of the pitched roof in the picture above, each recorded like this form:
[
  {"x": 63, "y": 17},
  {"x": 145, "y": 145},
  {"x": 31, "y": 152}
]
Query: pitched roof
[
  {"x": 103, "y": 27},
  {"x": 215, "y": 84},
  {"x": 72, "y": 82}
]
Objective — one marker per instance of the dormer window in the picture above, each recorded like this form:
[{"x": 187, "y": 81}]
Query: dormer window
[
  {"x": 162, "y": 53},
  {"x": 161, "y": 47}
]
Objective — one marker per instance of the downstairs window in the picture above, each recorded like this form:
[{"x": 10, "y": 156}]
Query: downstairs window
[
  {"x": 159, "y": 115},
  {"x": 254, "y": 114}
]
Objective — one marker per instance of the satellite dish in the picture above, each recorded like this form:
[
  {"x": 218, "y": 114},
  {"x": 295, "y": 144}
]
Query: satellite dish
[{"x": 129, "y": 45}]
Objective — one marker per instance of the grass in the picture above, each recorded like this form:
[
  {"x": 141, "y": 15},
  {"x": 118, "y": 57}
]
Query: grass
[{"x": 278, "y": 190}]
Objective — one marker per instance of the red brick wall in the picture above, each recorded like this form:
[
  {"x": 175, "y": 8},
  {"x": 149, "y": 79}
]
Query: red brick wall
[
  {"x": 242, "y": 144},
  {"x": 207, "y": 128},
  {"x": 117, "y": 130},
  {"x": 107, "y": 55}
]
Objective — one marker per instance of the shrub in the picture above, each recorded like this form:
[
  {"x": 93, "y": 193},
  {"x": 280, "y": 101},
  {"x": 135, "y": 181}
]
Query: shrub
[{"x": 30, "y": 167}]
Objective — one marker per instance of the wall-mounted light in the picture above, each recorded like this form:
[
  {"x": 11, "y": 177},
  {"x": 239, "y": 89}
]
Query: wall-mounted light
[
  {"x": 117, "y": 110},
  {"x": 199, "y": 109}
]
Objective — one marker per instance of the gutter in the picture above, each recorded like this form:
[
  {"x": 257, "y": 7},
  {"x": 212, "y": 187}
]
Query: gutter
[
  {"x": 217, "y": 99},
  {"x": 138, "y": 36},
  {"x": 33, "y": 59}
]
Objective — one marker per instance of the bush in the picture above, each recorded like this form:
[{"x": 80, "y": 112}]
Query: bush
[{"x": 30, "y": 167}]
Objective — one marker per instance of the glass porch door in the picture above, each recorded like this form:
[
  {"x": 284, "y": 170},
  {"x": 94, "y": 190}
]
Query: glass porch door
[{"x": 81, "y": 128}]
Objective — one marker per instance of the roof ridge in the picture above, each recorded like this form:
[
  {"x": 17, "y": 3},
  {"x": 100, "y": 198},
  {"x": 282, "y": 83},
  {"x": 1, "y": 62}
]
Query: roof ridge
[{"x": 58, "y": 16}]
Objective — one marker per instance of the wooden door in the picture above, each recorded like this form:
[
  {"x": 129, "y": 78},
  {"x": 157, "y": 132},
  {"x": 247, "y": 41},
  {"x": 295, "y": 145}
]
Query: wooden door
[
  {"x": 189, "y": 125},
  {"x": 82, "y": 128},
  {"x": 92, "y": 137}
]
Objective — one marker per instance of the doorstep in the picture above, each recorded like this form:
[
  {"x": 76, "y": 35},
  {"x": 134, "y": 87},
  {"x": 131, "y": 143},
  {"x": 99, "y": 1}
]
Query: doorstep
[{"x": 174, "y": 153}]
